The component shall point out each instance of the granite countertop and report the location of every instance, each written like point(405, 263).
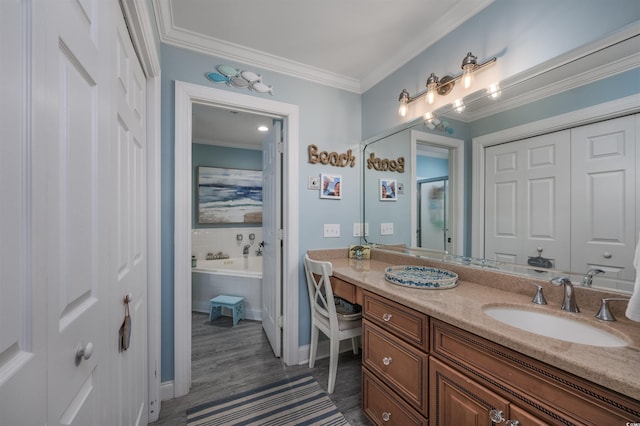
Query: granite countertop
point(616, 368)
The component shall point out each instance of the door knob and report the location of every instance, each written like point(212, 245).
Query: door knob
point(84, 352)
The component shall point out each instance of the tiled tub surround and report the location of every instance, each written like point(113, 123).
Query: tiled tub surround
point(617, 369)
point(224, 240)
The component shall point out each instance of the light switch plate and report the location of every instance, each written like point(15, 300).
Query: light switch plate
point(313, 183)
point(331, 230)
point(386, 229)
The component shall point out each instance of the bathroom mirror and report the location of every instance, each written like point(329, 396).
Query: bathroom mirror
point(450, 200)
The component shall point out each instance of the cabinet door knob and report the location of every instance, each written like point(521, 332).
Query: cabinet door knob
point(386, 416)
point(386, 317)
point(387, 360)
point(607, 255)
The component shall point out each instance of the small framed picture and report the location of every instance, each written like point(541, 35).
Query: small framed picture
point(331, 186)
point(388, 190)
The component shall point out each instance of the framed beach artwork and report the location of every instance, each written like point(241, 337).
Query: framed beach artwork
point(229, 196)
point(388, 190)
point(331, 186)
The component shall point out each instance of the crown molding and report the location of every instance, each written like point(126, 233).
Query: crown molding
point(170, 34)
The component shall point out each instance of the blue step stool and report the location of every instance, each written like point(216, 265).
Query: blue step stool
point(234, 303)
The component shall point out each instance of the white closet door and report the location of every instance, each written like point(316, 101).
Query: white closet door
point(71, 156)
point(603, 197)
point(527, 200)
point(128, 269)
point(22, 289)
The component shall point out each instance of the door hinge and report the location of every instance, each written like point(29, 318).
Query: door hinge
point(280, 321)
point(280, 234)
point(280, 147)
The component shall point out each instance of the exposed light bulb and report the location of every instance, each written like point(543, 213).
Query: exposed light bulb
point(404, 101)
point(468, 65)
point(467, 76)
point(432, 87)
point(263, 128)
point(403, 108)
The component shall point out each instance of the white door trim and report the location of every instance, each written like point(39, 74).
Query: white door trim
point(456, 176)
point(580, 117)
point(185, 95)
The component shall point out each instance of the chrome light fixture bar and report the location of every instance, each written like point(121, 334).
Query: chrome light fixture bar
point(443, 86)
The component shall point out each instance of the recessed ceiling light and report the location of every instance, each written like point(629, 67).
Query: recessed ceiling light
point(263, 128)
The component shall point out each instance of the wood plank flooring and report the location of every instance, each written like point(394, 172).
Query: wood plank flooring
point(228, 360)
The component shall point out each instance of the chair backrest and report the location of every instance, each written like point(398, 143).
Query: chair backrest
point(319, 286)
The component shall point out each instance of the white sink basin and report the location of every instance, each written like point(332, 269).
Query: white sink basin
point(554, 326)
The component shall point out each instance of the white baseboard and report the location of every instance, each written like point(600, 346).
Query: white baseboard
point(166, 390)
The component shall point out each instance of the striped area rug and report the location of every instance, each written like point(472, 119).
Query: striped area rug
point(294, 401)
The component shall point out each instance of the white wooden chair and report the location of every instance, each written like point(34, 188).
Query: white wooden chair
point(325, 318)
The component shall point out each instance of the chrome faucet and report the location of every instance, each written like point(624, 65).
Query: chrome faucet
point(587, 280)
point(569, 301)
point(245, 250)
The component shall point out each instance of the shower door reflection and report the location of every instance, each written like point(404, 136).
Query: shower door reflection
point(432, 213)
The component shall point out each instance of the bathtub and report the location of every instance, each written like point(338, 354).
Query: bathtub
point(233, 277)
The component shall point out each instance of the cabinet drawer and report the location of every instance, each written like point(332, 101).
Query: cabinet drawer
point(457, 400)
point(410, 325)
point(345, 290)
point(551, 394)
point(383, 407)
point(398, 364)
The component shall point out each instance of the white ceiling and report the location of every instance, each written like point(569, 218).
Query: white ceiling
point(349, 44)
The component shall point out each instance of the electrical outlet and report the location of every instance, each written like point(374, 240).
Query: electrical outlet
point(331, 230)
point(386, 229)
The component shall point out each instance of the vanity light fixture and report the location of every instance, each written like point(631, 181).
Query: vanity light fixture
point(443, 86)
point(263, 128)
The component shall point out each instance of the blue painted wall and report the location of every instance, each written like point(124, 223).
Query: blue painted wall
point(431, 167)
point(329, 118)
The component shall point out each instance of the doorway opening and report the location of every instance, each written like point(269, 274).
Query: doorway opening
point(437, 207)
point(186, 96)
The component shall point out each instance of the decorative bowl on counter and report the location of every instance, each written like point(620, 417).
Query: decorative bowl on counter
point(421, 277)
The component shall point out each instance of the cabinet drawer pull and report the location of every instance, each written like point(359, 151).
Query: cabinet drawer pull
point(607, 255)
point(387, 360)
point(386, 416)
point(496, 417)
point(387, 317)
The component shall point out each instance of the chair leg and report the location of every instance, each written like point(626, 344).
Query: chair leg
point(314, 346)
point(333, 364)
point(354, 344)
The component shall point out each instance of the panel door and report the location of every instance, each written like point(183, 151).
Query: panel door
point(271, 227)
point(71, 155)
point(128, 270)
point(527, 200)
point(604, 197)
point(22, 288)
